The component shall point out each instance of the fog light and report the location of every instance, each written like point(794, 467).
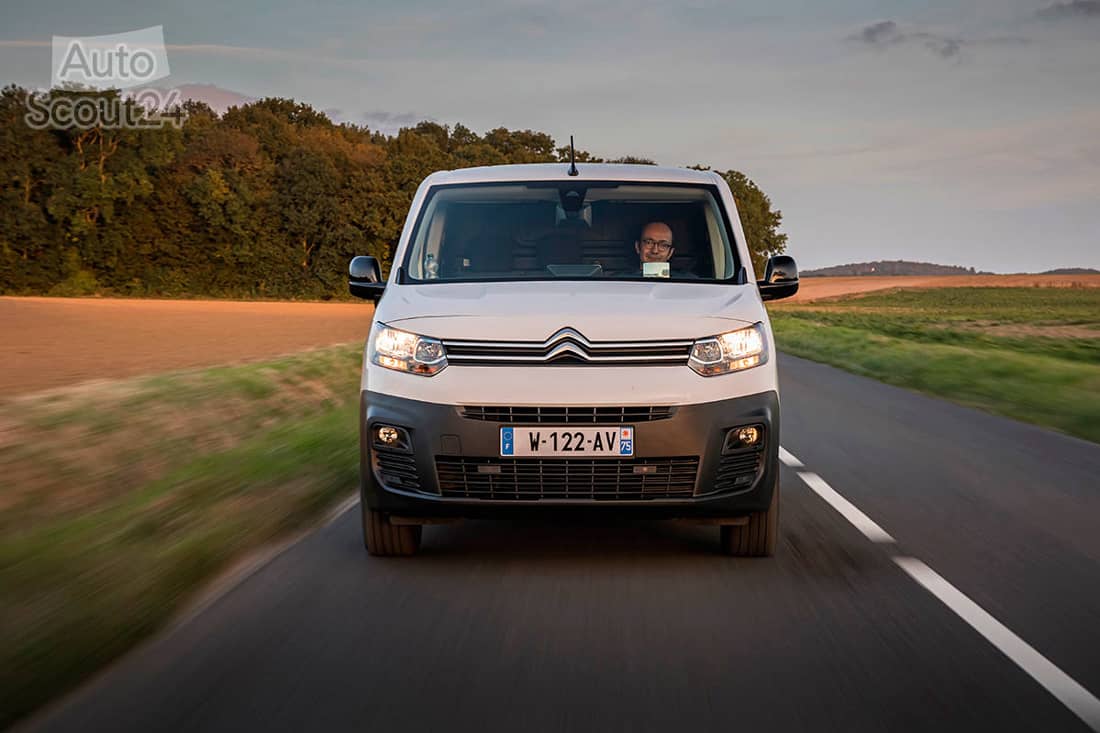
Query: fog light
point(390, 438)
point(749, 435)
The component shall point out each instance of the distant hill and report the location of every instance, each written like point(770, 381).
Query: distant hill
point(1072, 271)
point(892, 267)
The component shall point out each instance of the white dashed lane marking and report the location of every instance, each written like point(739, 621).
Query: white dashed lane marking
point(1075, 697)
point(1068, 691)
point(788, 459)
point(846, 508)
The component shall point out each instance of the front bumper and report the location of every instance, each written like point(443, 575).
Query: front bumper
point(421, 481)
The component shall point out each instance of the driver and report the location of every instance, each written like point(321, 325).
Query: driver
point(655, 243)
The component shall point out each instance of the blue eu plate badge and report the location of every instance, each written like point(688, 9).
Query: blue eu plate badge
point(626, 441)
point(507, 443)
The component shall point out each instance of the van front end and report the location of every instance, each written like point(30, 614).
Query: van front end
point(453, 428)
point(577, 342)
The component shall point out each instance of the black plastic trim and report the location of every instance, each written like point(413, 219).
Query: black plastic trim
point(693, 430)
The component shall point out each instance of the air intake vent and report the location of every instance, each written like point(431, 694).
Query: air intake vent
point(567, 415)
point(397, 469)
point(736, 472)
point(531, 479)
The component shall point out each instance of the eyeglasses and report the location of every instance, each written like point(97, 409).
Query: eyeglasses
point(661, 245)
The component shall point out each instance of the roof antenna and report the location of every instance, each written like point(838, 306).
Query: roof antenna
point(572, 159)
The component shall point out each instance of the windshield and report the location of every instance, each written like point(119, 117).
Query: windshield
point(572, 230)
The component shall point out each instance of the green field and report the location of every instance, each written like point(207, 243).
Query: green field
point(1029, 353)
point(120, 499)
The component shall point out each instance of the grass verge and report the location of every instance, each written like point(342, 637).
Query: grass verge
point(120, 499)
point(1028, 353)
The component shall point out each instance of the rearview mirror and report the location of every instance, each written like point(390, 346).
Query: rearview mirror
point(365, 278)
point(780, 278)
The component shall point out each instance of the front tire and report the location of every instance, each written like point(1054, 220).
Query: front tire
point(383, 539)
point(757, 538)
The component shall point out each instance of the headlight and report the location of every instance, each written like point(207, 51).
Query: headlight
point(729, 352)
point(407, 352)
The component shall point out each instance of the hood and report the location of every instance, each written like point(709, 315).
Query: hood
point(602, 311)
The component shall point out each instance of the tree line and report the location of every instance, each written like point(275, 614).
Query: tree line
point(268, 200)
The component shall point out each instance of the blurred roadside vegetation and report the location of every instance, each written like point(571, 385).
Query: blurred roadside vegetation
point(119, 499)
point(1028, 353)
point(269, 200)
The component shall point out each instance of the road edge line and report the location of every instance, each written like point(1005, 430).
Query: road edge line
point(213, 591)
point(239, 572)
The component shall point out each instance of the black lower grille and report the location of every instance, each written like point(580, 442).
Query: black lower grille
point(566, 478)
point(603, 415)
point(736, 471)
point(397, 469)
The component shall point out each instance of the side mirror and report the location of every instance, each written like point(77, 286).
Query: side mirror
point(365, 278)
point(780, 278)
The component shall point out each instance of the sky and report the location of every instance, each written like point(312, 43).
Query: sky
point(963, 133)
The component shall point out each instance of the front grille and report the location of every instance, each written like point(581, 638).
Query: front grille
point(737, 471)
point(566, 415)
point(566, 478)
point(567, 347)
point(397, 469)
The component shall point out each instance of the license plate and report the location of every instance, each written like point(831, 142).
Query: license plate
point(608, 441)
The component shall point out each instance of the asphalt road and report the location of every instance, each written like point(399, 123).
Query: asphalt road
point(643, 626)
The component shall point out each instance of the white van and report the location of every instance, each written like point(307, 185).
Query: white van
point(557, 338)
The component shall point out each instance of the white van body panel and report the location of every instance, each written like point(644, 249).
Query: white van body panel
point(604, 311)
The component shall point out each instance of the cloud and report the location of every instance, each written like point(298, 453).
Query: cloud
point(1047, 161)
point(883, 34)
point(387, 123)
point(237, 53)
point(945, 47)
point(265, 54)
point(25, 43)
point(218, 98)
point(1072, 9)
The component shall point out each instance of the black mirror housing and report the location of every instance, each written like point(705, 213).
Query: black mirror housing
point(365, 278)
point(780, 278)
